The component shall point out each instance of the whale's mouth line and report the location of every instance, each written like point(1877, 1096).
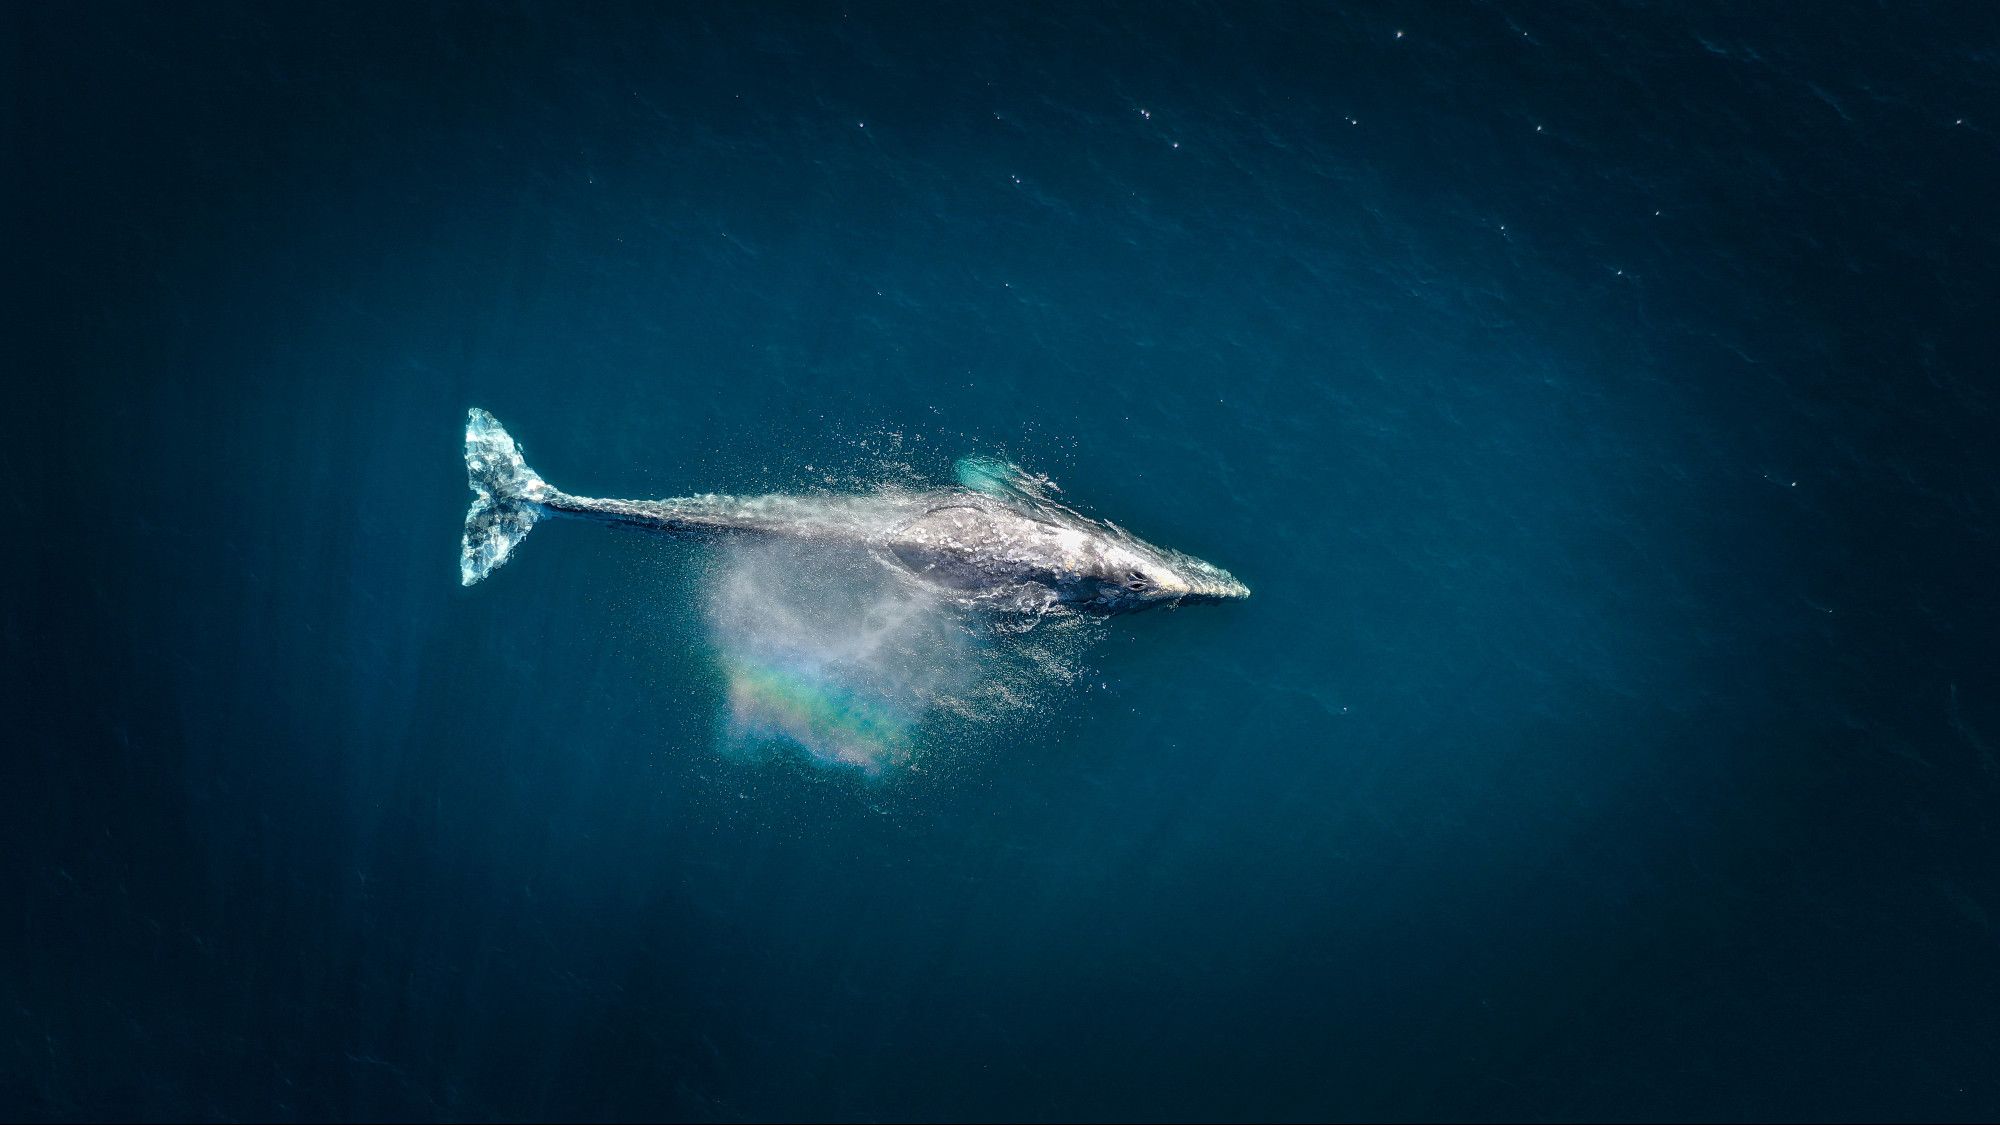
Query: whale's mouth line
point(1211, 592)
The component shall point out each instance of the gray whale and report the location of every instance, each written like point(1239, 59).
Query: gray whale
point(996, 540)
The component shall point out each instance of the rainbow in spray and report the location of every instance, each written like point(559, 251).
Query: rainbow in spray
point(818, 710)
point(827, 650)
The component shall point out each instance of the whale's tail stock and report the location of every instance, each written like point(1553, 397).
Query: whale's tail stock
point(508, 497)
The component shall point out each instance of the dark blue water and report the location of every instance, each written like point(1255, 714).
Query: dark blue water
point(1599, 400)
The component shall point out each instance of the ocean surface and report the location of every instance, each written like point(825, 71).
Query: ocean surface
point(1600, 400)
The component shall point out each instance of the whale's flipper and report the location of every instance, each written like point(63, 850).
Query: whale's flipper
point(1003, 480)
point(1016, 487)
point(508, 500)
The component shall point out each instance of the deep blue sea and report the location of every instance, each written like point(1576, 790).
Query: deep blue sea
point(1600, 400)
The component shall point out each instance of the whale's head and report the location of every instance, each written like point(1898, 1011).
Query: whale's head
point(1133, 575)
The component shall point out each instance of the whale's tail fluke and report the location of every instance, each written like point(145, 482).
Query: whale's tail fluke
point(508, 497)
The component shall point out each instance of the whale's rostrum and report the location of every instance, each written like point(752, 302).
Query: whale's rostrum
point(996, 538)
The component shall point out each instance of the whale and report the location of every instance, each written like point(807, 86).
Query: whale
point(996, 539)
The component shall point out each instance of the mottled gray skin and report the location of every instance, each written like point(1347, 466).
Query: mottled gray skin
point(1009, 551)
